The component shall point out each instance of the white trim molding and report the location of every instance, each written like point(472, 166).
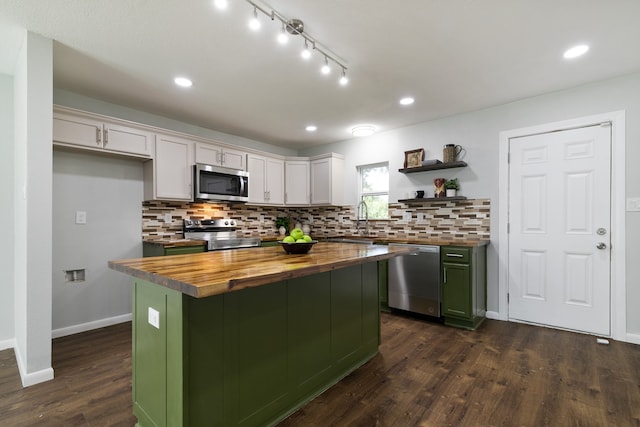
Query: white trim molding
point(31, 378)
point(5, 344)
point(84, 327)
point(618, 225)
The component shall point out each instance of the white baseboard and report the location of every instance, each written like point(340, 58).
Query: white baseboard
point(32, 378)
point(633, 338)
point(5, 344)
point(96, 324)
point(494, 315)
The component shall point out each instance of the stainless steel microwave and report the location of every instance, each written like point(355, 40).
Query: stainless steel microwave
point(216, 183)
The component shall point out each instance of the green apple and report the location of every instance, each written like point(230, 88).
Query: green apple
point(301, 241)
point(296, 233)
point(307, 238)
point(288, 239)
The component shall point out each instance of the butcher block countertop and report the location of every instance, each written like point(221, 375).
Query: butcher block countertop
point(217, 272)
point(436, 240)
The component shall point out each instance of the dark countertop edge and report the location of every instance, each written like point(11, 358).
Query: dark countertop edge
point(169, 243)
point(243, 283)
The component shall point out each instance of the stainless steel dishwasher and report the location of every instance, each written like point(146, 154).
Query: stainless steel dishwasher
point(414, 280)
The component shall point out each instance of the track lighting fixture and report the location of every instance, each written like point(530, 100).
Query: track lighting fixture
point(254, 24)
point(294, 27)
point(325, 68)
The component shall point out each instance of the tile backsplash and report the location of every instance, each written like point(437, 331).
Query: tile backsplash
point(445, 220)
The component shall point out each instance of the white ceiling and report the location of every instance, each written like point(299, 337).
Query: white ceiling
point(452, 56)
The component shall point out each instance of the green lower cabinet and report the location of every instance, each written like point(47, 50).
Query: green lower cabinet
point(464, 302)
point(152, 249)
point(383, 285)
point(269, 243)
point(254, 356)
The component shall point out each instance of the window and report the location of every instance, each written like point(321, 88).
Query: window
point(373, 190)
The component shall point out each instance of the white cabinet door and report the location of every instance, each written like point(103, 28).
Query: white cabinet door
point(275, 181)
point(125, 139)
point(234, 159)
point(77, 130)
point(327, 175)
point(297, 185)
point(266, 180)
point(169, 175)
point(215, 155)
point(257, 167)
point(84, 131)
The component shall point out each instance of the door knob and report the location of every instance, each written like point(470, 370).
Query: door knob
point(601, 245)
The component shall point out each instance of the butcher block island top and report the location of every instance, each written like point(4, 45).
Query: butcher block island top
point(218, 272)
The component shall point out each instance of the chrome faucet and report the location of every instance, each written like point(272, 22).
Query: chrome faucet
point(362, 206)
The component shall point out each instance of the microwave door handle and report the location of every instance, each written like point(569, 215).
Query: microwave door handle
point(241, 185)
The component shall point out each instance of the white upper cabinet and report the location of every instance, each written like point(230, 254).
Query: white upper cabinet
point(87, 131)
point(327, 176)
point(215, 155)
point(169, 175)
point(297, 182)
point(266, 180)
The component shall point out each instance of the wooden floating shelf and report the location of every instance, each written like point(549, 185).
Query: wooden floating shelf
point(432, 199)
point(434, 167)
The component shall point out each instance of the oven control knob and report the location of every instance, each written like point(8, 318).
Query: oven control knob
point(226, 223)
point(233, 222)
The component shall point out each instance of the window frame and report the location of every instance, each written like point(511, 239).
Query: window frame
point(362, 194)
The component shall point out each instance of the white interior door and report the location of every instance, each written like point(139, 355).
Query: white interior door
point(559, 229)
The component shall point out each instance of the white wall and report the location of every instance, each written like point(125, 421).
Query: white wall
point(33, 97)
point(479, 133)
point(6, 212)
point(110, 191)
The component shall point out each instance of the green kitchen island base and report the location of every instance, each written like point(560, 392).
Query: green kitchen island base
point(250, 357)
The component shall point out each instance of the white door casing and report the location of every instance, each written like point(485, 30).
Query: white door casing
point(617, 236)
point(559, 241)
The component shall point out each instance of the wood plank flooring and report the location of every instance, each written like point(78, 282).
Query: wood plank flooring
point(504, 374)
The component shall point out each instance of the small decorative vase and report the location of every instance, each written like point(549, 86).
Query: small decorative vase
point(282, 231)
point(451, 192)
point(438, 187)
point(306, 229)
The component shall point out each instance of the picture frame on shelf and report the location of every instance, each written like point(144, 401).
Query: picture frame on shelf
point(413, 158)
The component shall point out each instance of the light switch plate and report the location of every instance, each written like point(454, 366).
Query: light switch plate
point(81, 217)
point(407, 216)
point(154, 318)
point(633, 204)
point(167, 218)
point(420, 216)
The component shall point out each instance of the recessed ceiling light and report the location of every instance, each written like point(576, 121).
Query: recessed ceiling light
point(183, 81)
point(220, 4)
point(311, 128)
point(576, 51)
point(407, 101)
point(363, 130)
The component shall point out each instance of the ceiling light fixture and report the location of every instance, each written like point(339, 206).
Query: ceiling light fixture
point(306, 53)
point(296, 27)
point(311, 128)
point(407, 101)
point(363, 130)
point(325, 68)
point(254, 24)
point(343, 79)
point(282, 37)
point(183, 82)
point(576, 51)
point(220, 4)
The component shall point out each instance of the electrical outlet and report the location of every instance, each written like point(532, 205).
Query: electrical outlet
point(420, 216)
point(407, 216)
point(167, 218)
point(154, 318)
point(340, 218)
point(81, 217)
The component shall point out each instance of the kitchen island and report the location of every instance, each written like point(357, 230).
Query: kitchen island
point(246, 337)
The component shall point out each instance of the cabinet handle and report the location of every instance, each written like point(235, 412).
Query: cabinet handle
point(98, 136)
point(222, 158)
point(455, 255)
point(106, 137)
point(444, 272)
point(218, 157)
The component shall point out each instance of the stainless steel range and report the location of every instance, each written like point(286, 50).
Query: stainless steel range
point(219, 234)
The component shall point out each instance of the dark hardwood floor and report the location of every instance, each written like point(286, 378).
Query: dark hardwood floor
point(504, 374)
